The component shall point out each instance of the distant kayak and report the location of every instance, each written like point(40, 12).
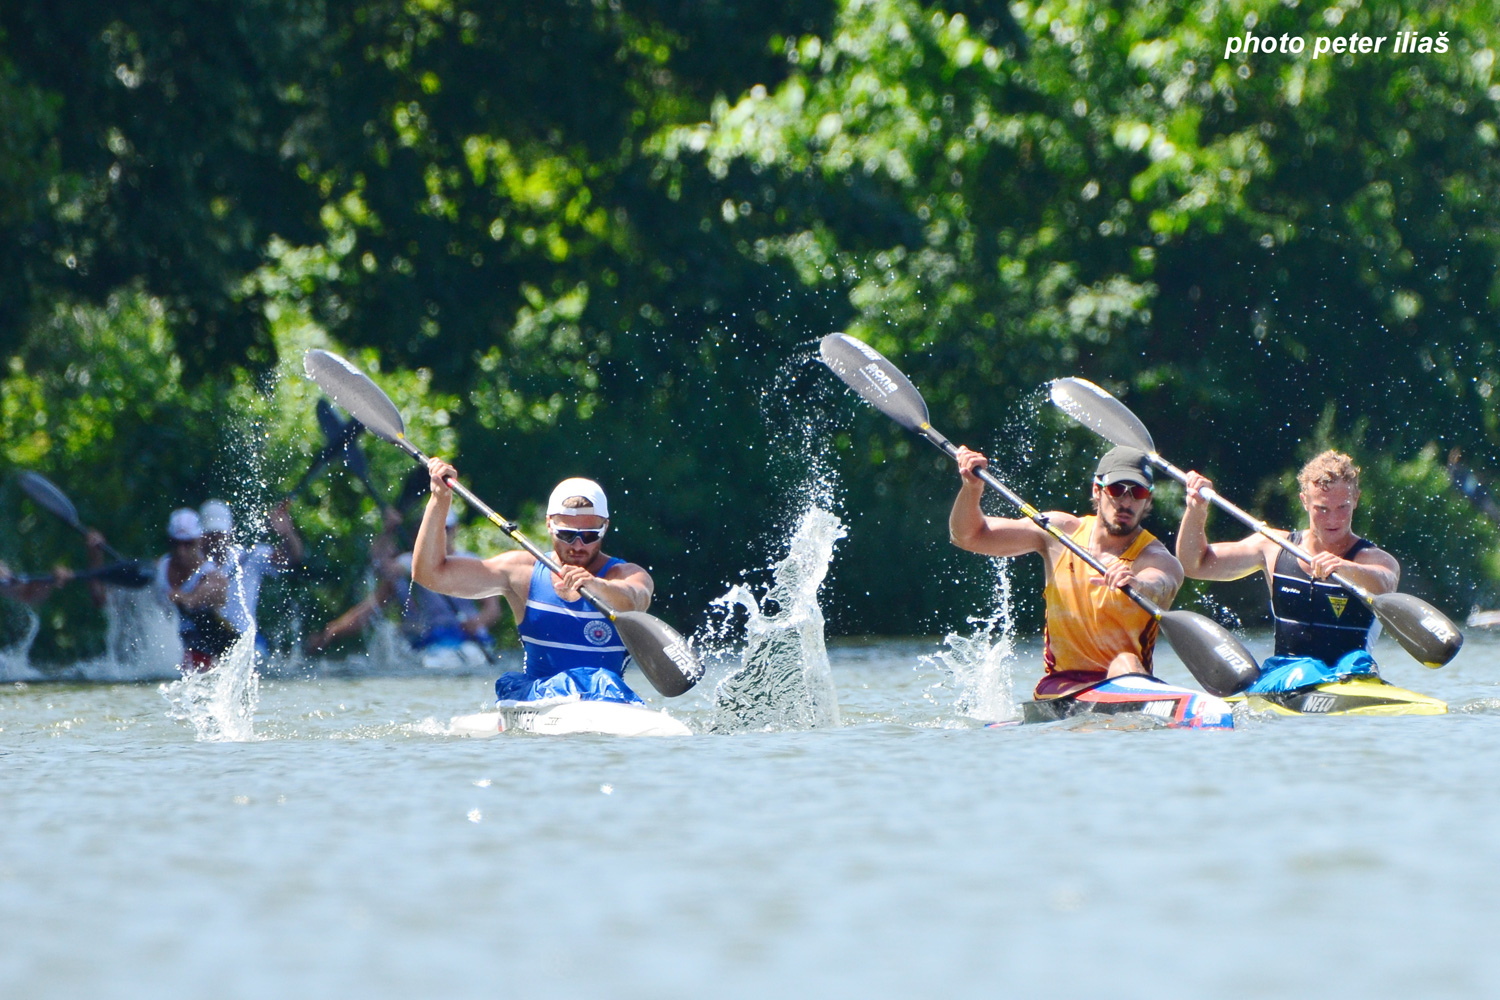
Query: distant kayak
point(1351, 696)
point(1137, 694)
point(568, 717)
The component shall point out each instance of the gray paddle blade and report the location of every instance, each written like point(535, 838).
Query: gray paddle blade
point(1212, 655)
point(1423, 631)
point(1100, 412)
point(880, 383)
point(663, 655)
point(352, 389)
point(48, 497)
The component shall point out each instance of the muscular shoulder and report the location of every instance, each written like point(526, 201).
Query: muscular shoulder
point(627, 571)
point(1157, 555)
point(1062, 520)
point(1374, 555)
point(514, 564)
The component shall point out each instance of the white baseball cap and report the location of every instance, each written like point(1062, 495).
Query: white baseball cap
point(216, 516)
point(184, 525)
point(576, 487)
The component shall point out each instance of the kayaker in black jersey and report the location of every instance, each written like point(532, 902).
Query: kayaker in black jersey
point(191, 582)
point(1323, 632)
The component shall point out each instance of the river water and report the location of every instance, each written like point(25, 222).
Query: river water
point(842, 823)
point(353, 849)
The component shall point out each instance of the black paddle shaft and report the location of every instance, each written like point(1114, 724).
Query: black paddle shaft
point(1040, 519)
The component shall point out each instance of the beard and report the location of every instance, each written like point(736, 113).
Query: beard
point(1116, 529)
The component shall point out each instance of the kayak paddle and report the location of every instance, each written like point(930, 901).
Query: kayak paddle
point(339, 436)
point(55, 502)
point(1422, 630)
point(1215, 657)
point(130, 575)
point(660, 652)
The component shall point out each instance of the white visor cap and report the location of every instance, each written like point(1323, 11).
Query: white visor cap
point(216, 516)
point(184, 525)
point(576, 487)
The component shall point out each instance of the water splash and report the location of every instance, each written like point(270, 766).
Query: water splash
point(220, 703)
point(981, 662)
point(785, 681)
point(140, 639)
point(15, 656)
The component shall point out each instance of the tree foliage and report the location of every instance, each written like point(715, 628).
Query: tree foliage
point(606, 233)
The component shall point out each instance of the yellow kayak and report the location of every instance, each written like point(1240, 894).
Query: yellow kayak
point(1352, 696)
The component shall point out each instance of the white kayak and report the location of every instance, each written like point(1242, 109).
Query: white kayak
point(568, 716)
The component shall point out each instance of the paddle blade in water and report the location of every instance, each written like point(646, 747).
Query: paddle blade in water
point(1100, 412)
point(1423, 631)
point(48, 497)
point(867, 372)
point(1212, 655)
point(663, 655)
point(353, 390)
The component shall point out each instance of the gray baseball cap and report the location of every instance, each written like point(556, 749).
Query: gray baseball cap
point(1123, 464)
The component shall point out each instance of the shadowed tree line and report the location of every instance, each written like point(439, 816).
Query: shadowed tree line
point(600, 237)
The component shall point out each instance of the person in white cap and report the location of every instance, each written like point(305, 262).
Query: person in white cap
point(189, 581)
point(448, 631)
point(245, 567)
point(571, 647)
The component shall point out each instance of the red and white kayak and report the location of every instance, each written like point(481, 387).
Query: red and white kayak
point(1137, 694)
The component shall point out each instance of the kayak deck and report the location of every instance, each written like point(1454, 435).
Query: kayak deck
point(568, 717)
point(1137, 694)
point(1351, 696)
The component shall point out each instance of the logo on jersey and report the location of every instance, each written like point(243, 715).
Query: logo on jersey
point(1339, 603)
point(598, 632)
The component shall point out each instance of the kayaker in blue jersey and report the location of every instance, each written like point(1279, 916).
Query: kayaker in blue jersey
point(448, 631)
point(246, 567)
point(1323, 633)
point(571, 648)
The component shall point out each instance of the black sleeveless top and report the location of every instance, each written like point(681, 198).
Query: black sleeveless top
point(1318, 618)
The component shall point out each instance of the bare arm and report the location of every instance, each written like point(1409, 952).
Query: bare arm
point(1155, 574)
point(456, 576)
point(1220, 560)
point(211, 592)
point(624, 588)
point(1374, 569)
point(972, 531)
point(289, 552)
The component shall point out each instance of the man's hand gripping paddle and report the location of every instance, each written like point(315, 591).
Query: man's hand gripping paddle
point(662, 654)
point(122, 573)
point(1423, 631)
point(1215, 657)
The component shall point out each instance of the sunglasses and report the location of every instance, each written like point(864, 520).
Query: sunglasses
point(587, 536)
point(1117, 490)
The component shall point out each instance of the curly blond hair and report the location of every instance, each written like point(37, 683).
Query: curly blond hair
point(1328, 468)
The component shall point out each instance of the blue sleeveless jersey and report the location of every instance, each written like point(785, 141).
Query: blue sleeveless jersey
point(563, 635)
